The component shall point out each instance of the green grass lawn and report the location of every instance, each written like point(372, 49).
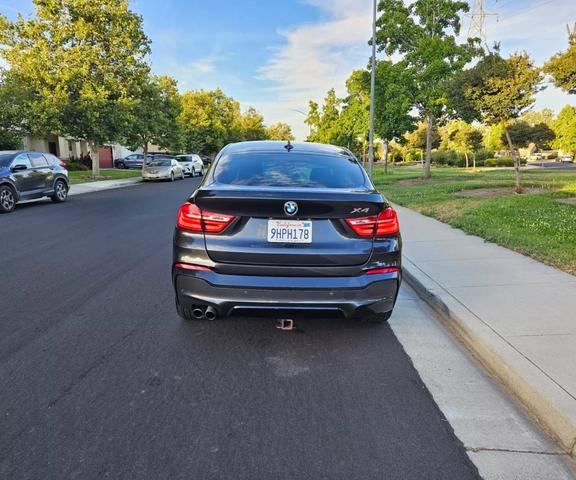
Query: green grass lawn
point(534, 224)
point(105, 174)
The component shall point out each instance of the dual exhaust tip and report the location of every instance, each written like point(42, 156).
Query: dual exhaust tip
point(210, 313)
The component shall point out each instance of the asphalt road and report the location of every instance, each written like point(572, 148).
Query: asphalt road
point(101, 379)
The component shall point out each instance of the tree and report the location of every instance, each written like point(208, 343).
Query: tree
point(418, 138)
point(461, 137)
point(351, 127)
point(493, 138)
point(394, 98)
point(209, 121)
point(252, 125)
point(280, 131)
point(12, 126)
point(500, 90)
point(322, 121)
point(424, 33)
point(535, 117)
point(565, 129)
point(562, 66)
point(78, 61)
point(154, 115)
point(474, 141)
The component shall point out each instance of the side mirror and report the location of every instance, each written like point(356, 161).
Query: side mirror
point(19, 168)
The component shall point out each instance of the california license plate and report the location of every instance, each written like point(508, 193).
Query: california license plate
point(290, 231)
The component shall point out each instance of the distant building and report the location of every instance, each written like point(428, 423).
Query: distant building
point(67, 148)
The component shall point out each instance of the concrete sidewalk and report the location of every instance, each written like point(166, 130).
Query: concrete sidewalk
point(515, 314)
point(89, 187)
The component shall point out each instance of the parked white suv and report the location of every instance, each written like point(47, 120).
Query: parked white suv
point(192, 164)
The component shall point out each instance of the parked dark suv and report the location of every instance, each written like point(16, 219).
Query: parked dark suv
point(28, 175)
point(286, 229)
point(131, 161)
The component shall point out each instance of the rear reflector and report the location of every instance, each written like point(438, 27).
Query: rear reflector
point(385, 223)
point(189, 266)
point(380, 271)
point(193, 219)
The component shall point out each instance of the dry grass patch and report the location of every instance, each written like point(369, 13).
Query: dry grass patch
point(497, 192)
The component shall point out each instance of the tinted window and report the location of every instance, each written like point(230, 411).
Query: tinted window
point(159, 162)
point(52, 159)
point(37, 160)
point(5, 159)
point(131, 157)
point(288, 169)
point(22, 159)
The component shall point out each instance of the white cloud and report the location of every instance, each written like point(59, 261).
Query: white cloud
point(316, 57)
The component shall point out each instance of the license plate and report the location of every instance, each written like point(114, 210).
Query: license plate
point(290, 231)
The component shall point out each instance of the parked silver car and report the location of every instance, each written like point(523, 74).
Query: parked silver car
point(162, 167)
point(192, 164)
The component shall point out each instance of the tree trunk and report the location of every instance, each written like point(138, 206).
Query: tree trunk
point(518, 187)
point(466, 156)
point(474, 160)
point(95, 155)
point(428, 161)
point(145, 148)
point(385, 153)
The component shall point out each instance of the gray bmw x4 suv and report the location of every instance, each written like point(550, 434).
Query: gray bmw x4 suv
point(286, 229)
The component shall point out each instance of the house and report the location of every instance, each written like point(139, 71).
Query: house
point(67, 148)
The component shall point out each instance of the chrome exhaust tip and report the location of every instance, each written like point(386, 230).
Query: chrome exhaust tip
point(211, 313)
point(198, 313)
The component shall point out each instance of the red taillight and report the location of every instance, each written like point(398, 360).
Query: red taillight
point(193, 219)
point(385, 223)
point(379, 271)
point(189, 266)
point(63, 164)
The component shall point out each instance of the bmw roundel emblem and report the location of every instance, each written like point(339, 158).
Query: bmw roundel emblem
point(290, 208)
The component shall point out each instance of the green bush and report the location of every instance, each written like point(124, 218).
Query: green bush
point(75, 165)
point(448, 157)
point(502, 162)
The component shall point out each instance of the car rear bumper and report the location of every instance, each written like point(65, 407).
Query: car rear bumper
point(245, 294)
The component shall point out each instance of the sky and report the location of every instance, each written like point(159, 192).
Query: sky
point(276, 55)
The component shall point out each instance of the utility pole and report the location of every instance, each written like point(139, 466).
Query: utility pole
point(478, 16)
point(372, 92)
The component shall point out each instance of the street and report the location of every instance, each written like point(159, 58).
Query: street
point(101, 378)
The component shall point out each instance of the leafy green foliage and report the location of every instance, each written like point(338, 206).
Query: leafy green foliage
point(252, 125)
point(565, 129)
point(153, 115)
point(279, 131)
point(424, 33)
point(500, 89)
point(210, 120)
point(522, 134)
point(394, 94)
point(77, 62)
point(417, 138)
point(562, 67)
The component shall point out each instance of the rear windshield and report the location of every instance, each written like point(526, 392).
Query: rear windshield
point(289, 170)
point(159, 162)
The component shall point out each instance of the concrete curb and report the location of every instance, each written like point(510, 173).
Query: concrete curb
point(102, 185)
point(526, 383)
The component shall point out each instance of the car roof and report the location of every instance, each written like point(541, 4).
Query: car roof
point(12, 152)
point(271, 146)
